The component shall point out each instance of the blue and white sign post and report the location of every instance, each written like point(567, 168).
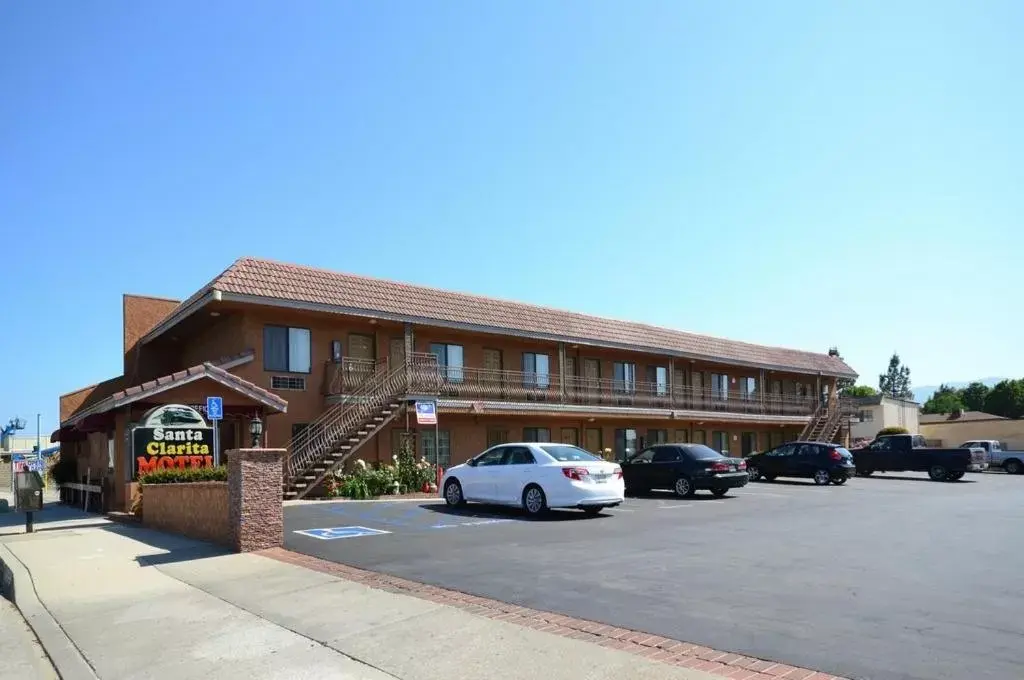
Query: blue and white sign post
point(215, 412)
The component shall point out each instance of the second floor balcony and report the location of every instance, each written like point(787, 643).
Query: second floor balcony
point(426, 377)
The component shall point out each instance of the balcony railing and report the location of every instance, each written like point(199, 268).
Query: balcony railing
point(425, 376)
point(481, 384)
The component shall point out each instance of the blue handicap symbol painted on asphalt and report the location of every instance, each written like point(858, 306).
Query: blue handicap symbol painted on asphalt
point(332, 533)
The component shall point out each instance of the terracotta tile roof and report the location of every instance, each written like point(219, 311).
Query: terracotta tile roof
point(390, 299)
point(965, 417)
point(209, 369)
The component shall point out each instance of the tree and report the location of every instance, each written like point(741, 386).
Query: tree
point(973, 396)
point(860, 391)
point(944, 400)
point(1006, 399)
point(895, 429)
point(896, 381)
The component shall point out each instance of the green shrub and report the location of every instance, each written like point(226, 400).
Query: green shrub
point(64, 471)
point(179, 476)
point(896, 429)
point(352, 487)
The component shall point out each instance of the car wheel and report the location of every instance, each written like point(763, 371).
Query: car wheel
point(1013, 467)
point(593, 510)
point(840, 480)
point(753, 472)
point(955, 476)
point(534, 500)
point(937, 473)
point(822, 477)
point(683, 487)
point(719, 491)
point(453, 493)
point(865, 473)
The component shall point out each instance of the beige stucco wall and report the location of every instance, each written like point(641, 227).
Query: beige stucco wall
point(887, 414)
point(1009, 432)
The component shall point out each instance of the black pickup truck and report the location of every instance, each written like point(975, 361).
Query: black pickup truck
point(902, 452)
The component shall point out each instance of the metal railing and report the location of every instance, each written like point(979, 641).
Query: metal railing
point(348, 375)
point(342, 420)
point(462, 382)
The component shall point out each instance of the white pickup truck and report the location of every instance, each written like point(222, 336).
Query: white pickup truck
point(1011, 461)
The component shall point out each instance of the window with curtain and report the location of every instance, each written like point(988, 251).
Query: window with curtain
point(287, 349)
point(719, 386)
point(536, 434)
point(437, 451)
point(536, 370)
point(658, 377)
point(625, 443)
point(720, 442)
point(624, 377)
point(450, 361)
point(748, 388)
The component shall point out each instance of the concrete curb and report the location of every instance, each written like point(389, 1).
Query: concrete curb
point(16, 584)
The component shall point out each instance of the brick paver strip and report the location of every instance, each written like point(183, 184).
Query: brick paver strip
point(653, 647)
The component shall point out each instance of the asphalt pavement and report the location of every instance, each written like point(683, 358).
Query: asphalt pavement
point(892, 577)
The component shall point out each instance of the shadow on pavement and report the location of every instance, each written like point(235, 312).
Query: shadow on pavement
point(178, 548)
point(902, 478)
point(670, 495)
point(503, 512)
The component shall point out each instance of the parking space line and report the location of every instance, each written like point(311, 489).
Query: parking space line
point(673, 507)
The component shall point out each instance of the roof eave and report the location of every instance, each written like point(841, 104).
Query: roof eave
point(180, 314)
point(245, 298)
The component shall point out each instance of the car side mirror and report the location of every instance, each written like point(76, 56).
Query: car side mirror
point(471, 462)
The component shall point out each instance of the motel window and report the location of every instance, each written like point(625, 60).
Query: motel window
point(699, 437)
point(658, 377)
point(748, 388)
point(496, 436)
point(626, 442)
point(719, 386)
point(286, 349)
point(680, 437)
point(449, 359)
point(655, 436)
point(536, 370)
point(775, 439)
point(866, 416)
point(748, 443)
point(624, 377)
point(441, 454)
point(720, 442)
point(536, 434)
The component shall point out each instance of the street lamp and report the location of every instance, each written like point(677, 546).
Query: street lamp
point(256, 430)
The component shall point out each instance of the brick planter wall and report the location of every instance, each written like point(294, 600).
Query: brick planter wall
point(256, 516)
point(197, 510)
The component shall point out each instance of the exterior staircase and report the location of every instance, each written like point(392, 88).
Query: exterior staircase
point(343, 429)
point(824, 424)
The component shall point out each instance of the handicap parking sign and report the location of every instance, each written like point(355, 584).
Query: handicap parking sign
point(332, 533)
point(215, 408)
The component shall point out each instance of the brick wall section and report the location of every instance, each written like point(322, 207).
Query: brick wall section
point(254, 498)
point(197, 510)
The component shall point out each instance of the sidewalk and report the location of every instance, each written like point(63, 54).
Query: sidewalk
point(135, 603)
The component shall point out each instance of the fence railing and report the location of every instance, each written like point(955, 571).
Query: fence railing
point(348, 375)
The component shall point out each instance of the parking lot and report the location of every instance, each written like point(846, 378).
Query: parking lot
point(889, 577)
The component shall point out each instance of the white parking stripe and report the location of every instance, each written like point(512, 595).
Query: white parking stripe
point(673, 507)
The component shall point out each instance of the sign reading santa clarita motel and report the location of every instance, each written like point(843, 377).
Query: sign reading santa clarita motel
point(171, 436)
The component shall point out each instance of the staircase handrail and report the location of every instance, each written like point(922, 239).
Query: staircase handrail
point(320, 436)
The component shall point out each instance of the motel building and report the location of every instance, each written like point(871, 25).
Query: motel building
point(331, 366)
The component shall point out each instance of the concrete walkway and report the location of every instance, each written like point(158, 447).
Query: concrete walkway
point(114, 601)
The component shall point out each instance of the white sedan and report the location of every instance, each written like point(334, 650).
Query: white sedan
point(536, 476)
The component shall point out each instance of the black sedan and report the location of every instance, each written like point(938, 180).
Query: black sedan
point(683, 468)
point(821, 461)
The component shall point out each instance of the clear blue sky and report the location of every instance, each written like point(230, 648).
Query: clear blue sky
point(793, 173)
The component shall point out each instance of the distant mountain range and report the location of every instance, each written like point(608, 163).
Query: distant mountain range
point(923, 393)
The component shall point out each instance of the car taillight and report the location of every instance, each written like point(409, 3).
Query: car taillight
point(835, 455)
point(742, 465)
point(719, 467)
point(618, 473)
point(575, 473)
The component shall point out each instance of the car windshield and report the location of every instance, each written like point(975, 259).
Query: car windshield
point(565, 453)
point(701, 452)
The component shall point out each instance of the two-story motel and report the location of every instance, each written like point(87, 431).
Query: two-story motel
point(291, 344)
